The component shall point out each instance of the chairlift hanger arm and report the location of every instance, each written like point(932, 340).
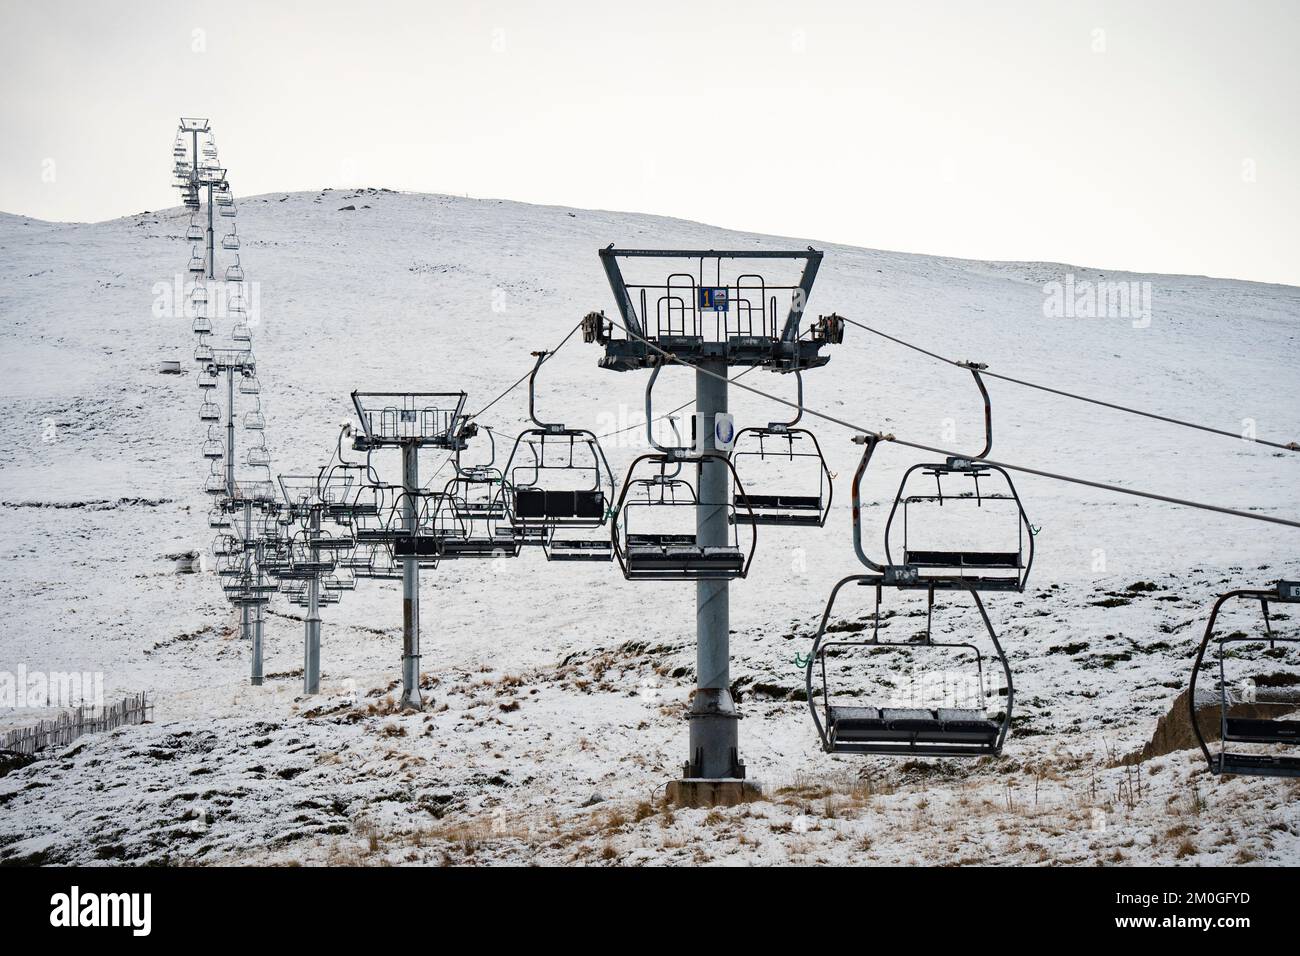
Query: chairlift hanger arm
point(975, 368)
point(869, 443)
point(798, 412)
point(671, 451)
point(532, 395)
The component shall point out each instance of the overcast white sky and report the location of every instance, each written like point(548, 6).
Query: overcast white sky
point(1156, 136)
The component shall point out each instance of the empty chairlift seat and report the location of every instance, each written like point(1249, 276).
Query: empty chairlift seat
point(965, 526)
point(1269, 716)
point(1000, 560)
point(847, 667)
point(902, 730)
point(578, 549)
point(537, 504)
point(781, 509)
point(1263, 730)
point(679, 555)
point(656, 508)
point(500, 544)
point(781, 466)
point(1256, 765)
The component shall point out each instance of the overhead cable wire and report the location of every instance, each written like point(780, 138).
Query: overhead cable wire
point(523, 378)
point(1040, 473)
point(1287, 446)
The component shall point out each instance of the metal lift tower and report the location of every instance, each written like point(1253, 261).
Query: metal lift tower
point(711, 310)
point(410, 421)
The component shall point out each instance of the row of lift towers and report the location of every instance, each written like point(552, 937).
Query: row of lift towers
point(682, 513)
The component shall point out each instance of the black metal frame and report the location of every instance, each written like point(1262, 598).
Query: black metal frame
point(438, 425)
point(907, 736)
point(680, 325)
point(1225, 762)
point(566, 509)
point(788, 510)
point(910, 575)
point(683, 568)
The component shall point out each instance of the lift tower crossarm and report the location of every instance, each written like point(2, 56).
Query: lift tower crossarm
point(609, 257)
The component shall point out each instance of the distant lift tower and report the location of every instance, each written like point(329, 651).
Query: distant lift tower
point(410, 421)
point(712, 310)
point(186, 154)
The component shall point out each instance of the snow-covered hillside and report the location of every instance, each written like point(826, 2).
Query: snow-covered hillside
point(554, 683)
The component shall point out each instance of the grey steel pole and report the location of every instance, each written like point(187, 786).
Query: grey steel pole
point(713, 718)
point(212, 256)
point(230, 431)
point(257, 620)
point(410, 584)
point(311, 650)
point(245, 631)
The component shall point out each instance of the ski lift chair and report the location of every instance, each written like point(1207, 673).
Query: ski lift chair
point(203, 352)
point(197, 263)
point(202, 326)
point(257, 455)
point(374, 561)
point(475, 493)
point(209, 412)
point(916, 726)
point(853, 728)
point(305, 559)
point(1264, 711)
point(788, 464)
point(654, 531)
point(234, 271)
point(226, 545)
point(254, 420)
point(463, 530)
point(213, 448)
point(229, 568)
point(412, 528)
point(341, 580)
point(352, 495)
point(558, 479)
point(968, 528)
point(241, 332)
point(249, 385)
point(215, 484)
point(369, 511)
point(218, 519)
point(206, 379)
point(194, 232)
point(230, 241)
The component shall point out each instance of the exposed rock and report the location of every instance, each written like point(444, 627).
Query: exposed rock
point(13, 760)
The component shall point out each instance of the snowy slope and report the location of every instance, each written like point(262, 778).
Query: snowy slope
point(405, 292)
